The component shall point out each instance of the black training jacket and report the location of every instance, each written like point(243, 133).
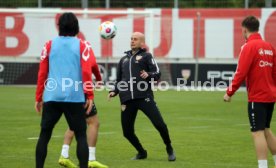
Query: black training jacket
point(130, 67)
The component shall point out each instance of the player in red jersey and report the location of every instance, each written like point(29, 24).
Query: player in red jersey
point(257, 66)
point(92, 129)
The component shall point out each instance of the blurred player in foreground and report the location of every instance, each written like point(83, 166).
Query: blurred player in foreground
point(64, 58)
point(257, 65)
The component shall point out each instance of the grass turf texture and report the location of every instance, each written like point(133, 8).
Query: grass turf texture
point(205, 131)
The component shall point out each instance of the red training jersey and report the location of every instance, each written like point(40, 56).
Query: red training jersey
point(257, 65)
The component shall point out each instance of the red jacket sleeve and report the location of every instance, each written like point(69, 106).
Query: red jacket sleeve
point(43, 71)
point(96, 72)
point(95, 67)
point(245, 61)
point(274, 65)
point(86, 64)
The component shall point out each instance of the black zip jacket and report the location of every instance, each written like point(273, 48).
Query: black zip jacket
point(128, 75)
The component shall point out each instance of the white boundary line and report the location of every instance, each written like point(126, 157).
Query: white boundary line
point(61, 136)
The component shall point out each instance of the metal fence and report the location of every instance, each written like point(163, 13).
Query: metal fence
point(139, 3)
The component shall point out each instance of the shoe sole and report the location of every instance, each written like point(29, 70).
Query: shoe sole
point(62, 164)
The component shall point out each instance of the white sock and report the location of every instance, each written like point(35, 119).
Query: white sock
point(65, 151)
point(262, 163)
point(92, 153)
point(274, 158)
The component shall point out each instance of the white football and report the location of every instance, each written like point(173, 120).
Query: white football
point(108, 30)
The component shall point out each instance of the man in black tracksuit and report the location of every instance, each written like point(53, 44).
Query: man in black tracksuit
point(135, 73)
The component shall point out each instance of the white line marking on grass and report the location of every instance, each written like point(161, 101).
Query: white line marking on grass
point(198, 127)
point(201, 119)
point(106, 133)
point(225, 165)
point(54, 136)
point(242, 124)
point(61, 136)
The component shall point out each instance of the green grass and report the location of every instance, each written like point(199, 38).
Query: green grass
point(205, 132)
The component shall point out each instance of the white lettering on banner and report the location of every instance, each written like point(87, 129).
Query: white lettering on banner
point(174, 32)
point(108, 76)
point(224, 75)
point(1, 68)
point(265, 63)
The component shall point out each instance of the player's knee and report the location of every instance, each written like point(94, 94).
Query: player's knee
point(46, 130)
point(45, 133)
point(160, 126)
point(80, 133)
point(69, 133)
point(128, 133)
point(257, 134)
point(94, 122)
point(267, 132)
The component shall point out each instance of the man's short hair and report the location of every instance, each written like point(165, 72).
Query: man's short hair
point(251, 23)
point(68, 24)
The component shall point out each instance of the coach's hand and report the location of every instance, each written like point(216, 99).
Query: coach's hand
point(38, 107)
point(144, 74)
point(88, 105)
point(110, 95)
point(226, 98)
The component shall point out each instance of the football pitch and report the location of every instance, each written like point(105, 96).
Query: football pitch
point(205, 132)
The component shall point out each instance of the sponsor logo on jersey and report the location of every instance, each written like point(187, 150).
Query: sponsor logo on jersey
point(261, 52)
point(265, 63)
point(268, 52)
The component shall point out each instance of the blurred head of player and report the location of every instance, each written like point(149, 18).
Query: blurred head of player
point(137, 41)
point(68, 24)
point(250, 25)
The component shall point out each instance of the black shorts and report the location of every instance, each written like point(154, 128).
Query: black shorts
point(260, 115)
point(93, 111)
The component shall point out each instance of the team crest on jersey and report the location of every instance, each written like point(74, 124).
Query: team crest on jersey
point(261, 52)
point(138, 57)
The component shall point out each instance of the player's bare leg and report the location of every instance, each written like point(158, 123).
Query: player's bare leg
point(92, 130)
point(92, 136)
point(271, 142)
point(261, 148)
point(64, 158)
